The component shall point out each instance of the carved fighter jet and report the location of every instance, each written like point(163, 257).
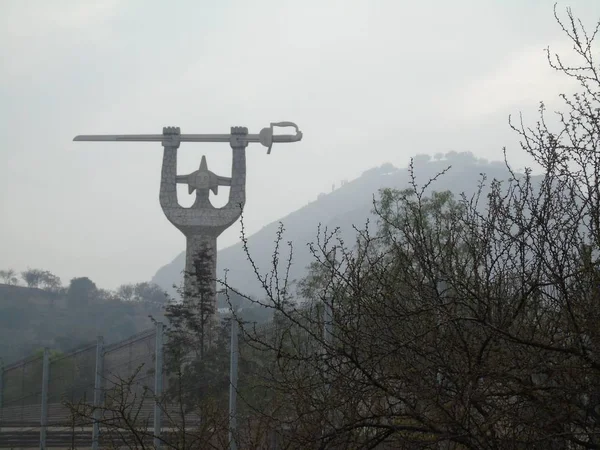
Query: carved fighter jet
point(203, 179)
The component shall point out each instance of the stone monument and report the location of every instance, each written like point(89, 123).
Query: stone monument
point(202, 223)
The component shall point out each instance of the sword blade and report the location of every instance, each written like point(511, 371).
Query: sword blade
point(160, 137)
point(184, 137)
point(120, 137)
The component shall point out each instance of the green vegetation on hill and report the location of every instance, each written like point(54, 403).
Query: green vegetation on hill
point(66, 318)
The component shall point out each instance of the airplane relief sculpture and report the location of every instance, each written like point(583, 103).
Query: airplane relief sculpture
point(202, 223)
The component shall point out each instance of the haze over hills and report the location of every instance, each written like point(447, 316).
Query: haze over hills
point(347, 205)
point(42, 318)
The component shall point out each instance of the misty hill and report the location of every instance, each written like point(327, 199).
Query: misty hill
point(349, 205)
point(32, 318)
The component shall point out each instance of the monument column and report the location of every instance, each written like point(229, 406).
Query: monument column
point(202, 223)
point(200, 281)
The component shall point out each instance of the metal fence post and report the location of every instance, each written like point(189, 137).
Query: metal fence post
point(441, 287)
point(328, 304)
point(44, 412)
point(98, 392)
point(233, 379)
point(327, 341)
point(327, 322)
point(158, 383)
point(1, 391)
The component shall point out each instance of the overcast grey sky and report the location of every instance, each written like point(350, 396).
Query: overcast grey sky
point(367, 81)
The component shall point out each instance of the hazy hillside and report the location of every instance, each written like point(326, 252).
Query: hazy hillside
point(33, 318)
point(347, 205)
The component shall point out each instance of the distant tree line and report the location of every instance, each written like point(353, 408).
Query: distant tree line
point(33, 278)
point(32, 319)
point(83, 288)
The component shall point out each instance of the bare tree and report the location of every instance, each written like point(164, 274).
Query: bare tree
point(142, 292)
point(457, 322)
point(50, 281)
point(32, 277)
point(126, 416)
point(45, 279)
point(9, 277)
point(467, 323)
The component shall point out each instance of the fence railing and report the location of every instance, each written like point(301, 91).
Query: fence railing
point(35, 393)
point(38, 394)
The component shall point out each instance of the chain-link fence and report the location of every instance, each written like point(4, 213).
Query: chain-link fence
point(21, 395)
point(272, 357)
point(131, 364)
point(48, 400)
point(96, 396)
point(99, 395)
point(256, 373)
point(70, 380)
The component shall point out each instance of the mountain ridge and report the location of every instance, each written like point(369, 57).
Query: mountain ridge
point(348, 205)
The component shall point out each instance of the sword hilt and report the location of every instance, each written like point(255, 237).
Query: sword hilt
point(267, 139)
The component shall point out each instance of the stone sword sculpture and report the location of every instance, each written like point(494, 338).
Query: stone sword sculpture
point(202, 223)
